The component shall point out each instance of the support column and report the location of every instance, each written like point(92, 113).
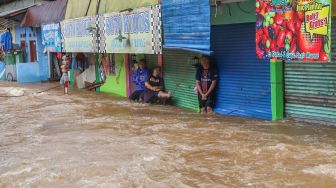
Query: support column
point(128, 74)
point(97, 71)
point(160, 63)
point(72, 72)
point(277, 89)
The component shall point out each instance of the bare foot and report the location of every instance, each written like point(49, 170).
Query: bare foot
point(209, 110)
point(170, 94)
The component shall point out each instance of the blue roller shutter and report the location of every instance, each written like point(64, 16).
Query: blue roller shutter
point(244, 87)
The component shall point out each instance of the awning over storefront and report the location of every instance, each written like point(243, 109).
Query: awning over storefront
point(51, 12)
point(93, 7)
point(186, 25)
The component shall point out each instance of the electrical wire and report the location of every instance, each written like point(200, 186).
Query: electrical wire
point(259, 96)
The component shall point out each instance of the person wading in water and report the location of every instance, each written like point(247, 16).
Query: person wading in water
point(206, 81)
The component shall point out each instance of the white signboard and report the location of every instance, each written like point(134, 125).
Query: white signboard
point(137, 31)
point(79, 35)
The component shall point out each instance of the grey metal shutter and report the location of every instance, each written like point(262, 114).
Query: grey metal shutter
point(310, 89)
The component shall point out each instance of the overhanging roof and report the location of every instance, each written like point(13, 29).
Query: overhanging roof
point(14, 12)
point(50, 12)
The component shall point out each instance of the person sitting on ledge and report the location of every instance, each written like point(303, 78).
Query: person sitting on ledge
point(139, 78)
point(154, 85)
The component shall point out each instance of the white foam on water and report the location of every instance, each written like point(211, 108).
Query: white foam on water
point(279, 147)
point(149, 158)
point(12, 91)
point(17, 172)
point(323, 169)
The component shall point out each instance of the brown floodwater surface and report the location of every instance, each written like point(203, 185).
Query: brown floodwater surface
point(89, 139)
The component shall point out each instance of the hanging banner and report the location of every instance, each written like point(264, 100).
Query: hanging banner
point(79, 35)
point(51, 37)
point(137, 31)
point(186, 25)
point(294, 30)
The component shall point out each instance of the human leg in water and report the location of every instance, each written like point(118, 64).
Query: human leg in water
point(209, 104)
point(166, 95)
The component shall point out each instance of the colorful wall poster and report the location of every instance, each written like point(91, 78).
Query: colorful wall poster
point(79, 35)
point(293, 30)
point(136, 31)
point(51, 37)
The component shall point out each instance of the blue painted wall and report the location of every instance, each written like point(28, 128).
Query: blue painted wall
point(28, 34)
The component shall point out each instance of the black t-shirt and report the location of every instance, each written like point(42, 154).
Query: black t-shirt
point(155, 81)
point(206, 77)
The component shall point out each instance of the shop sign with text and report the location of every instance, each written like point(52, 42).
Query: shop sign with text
point(136, 31)
point(51, 37)
point(79, 35)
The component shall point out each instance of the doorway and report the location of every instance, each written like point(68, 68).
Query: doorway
point(32, 48)
point(24, 50)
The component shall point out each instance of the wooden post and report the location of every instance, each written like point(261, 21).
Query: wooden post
point(128, 84)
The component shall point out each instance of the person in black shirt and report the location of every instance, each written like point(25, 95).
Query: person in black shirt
point(154, 85)
point(206, 81)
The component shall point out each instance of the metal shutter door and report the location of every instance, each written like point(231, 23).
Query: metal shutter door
point(311, 89)
point(311, 92)
point(179, 77)
point(244, 87)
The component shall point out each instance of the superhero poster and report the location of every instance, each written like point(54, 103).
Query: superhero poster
point(293, 30)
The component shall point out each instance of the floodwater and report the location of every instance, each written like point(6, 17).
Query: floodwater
point(89, 139)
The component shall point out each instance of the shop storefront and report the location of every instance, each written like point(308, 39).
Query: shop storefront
point(80, 40)
point(130, 36)
point(186, 37)
point(302, 35)
point(310, 89)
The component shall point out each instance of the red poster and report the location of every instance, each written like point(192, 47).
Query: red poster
point(293, 30)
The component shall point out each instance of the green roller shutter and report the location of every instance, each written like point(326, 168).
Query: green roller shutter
point(310, 90)
point(179, 77)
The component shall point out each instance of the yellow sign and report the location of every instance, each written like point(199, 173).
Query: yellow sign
point(317, 21)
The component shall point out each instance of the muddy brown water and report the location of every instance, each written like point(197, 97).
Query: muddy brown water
point(95, 140)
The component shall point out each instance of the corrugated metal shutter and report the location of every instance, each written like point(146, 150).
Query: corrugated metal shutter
point(186, 24)
point(244, 87)
point(152, 61)
point(311, 90)
point(179, 77)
